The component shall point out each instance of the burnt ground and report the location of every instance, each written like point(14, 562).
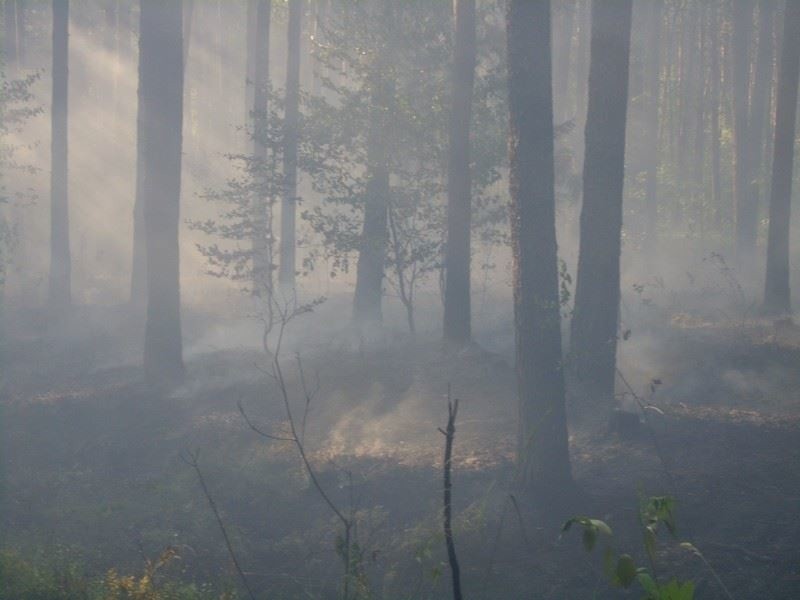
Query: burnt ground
point(93, 474)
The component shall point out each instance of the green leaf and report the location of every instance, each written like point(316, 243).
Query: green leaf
point(660, 509)
point(609, 563)
point(591, 529)
point(675, 590)
point(589, 537)
point(601, 526)
point(626, 570)
point(650, 541)
point(690, 548)
point(648, 585)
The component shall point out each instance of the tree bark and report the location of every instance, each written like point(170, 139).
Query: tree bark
point(745, 211)
point(542, 449)
point(286, 273)
point(374, 233)
point(161, 123)
point(562, 77)
point(60, 262)
point(714, 102)
point(758, 111)
point(653, 86)
point(457, 302)
point(777, 299)
point(262, 234)
point(10, 35)
point(597, 293)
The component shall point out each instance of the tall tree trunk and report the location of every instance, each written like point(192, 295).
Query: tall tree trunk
point(699, 102)
point(262, 224)
point(138, 297)
point(457, 311)
point(776, 290)
point(21, 38)
point(374, 234)
point(653, 86)
point(161, 124)
point(758, 110)
point(249, 69)
point(10, 31)
point(597, 293)
point(542, 449)
point(714, 104)
point(60, 266)
point(13, 46)
point(745, 211)
point(582, 58)
point(562, 76)
point(290, 134)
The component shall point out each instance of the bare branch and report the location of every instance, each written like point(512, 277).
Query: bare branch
point(191, 459)
point(450, 433)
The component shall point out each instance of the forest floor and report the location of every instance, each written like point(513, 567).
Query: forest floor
point(93, 472)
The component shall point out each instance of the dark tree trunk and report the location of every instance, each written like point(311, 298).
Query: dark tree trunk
point(597, 293)
point(10, 35)
point(760, 98)
point(21, 39)
point(161, 123)
point(374, 234)
point(582, 60)
point(457, 311)
point(714, 102)
point(286, 272)
point(138, 297)
point(562, 76)
point(542, 450)
point(60, 267)
point(699, 162)
point(262, 234)
point(653, 87)
point(746, 212)
point(250, 53)
point(776, 289)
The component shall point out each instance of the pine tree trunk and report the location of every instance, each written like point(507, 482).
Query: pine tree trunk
point(745, 211)
point(457, 301)
point(374, 234)
point(714, 103)
point(161, 123)
point(698, 154)
point(597, 293)
point(60, 262)
point(653, 86)
point(758, 110)
point(286, 273)
point(262, 234)
point(562, 76)
point(542, 450)
point(10, 30)
point(776, 290)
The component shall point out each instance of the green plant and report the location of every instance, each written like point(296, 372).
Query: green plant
point(621, 568)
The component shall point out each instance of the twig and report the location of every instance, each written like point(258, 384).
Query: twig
point(519, 519)
point(191, 459)
point(449, 435)
point(657, 446)
point(285, 313)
